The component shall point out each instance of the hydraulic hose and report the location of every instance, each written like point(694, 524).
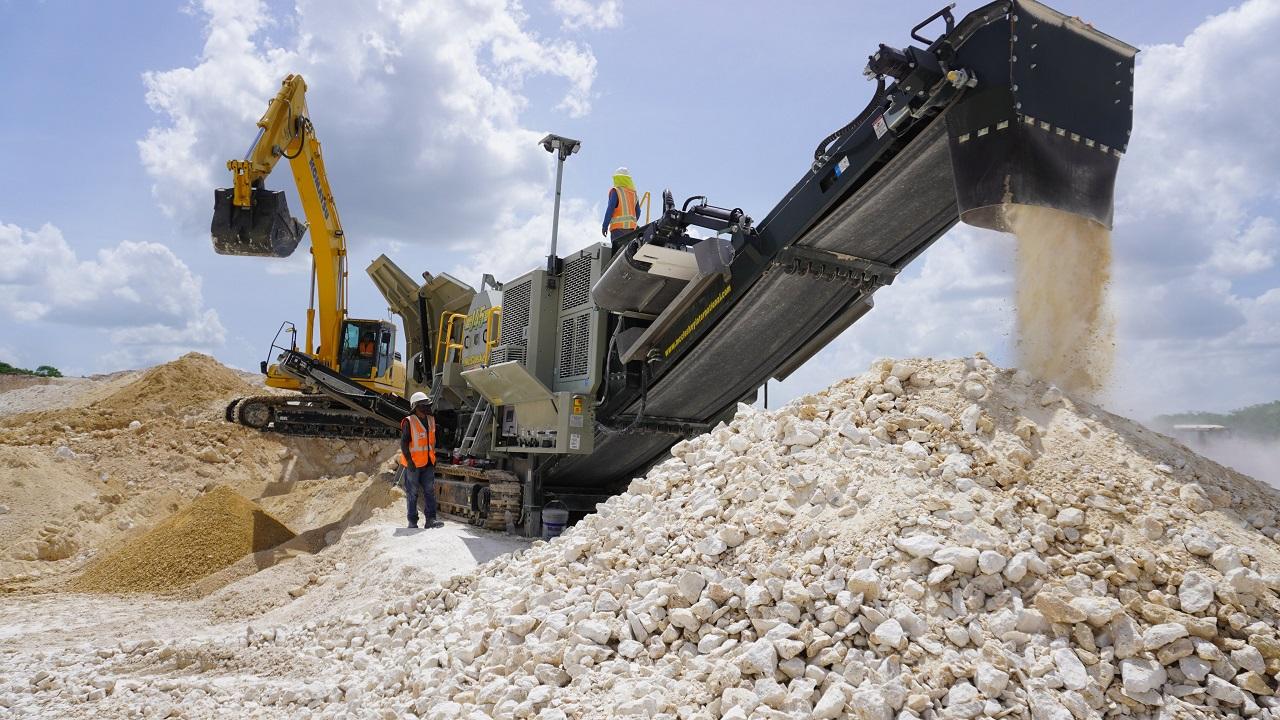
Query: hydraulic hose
point(819, 153)
point(644, 397)
point(303, 123)
point(608, 363)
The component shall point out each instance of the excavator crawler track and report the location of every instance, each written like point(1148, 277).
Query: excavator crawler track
point(305, 416)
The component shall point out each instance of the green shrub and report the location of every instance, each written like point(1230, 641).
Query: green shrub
point(42, 371)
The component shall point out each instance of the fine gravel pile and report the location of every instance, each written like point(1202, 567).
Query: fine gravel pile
point(215, 530)
point(927, 540)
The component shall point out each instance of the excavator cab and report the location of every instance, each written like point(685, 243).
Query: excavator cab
point(367, 350)
point(263, 229)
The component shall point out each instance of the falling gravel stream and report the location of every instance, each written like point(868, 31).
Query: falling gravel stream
point(1064, 330)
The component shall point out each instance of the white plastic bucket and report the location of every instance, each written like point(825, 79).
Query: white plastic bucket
point(555, 516)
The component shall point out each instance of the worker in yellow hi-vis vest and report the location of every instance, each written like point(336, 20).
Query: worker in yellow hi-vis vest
point(623, 212)
point(418, 456)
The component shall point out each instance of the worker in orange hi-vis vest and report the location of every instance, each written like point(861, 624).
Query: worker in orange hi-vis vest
point(418, 456)
point(622, 215)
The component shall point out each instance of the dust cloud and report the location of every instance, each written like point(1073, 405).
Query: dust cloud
point(1064, 331)
point(1259, 459)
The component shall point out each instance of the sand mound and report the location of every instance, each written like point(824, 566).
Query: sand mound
point(182, 385)
point(216, 530)
point(192, 385)
point(129, 450)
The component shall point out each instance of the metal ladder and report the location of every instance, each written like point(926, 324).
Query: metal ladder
point(475, 426)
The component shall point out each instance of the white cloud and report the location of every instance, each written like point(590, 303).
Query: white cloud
point(138, 346)
point(1196, 234)
point(514, 252)
point(1252, 250)
point(1199, 174)
point(576, 14)
point(1195, 287)
point(418, 105)
point(202, 330)
point(29, 254)
point(137, 293)
point(1197, 149)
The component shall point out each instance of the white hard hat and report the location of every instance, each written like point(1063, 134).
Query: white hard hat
point(418, 397)
point(621, 171)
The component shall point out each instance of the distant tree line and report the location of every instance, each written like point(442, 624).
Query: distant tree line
point(42, 371)
point(1260, 421)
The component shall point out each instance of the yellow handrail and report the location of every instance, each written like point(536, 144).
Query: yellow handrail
point(645, 202)
point(493, 323)
point(444, 340)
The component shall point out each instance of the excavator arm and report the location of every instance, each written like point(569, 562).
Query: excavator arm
point(248, 219)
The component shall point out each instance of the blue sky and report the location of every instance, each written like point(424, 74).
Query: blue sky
point(122, 115)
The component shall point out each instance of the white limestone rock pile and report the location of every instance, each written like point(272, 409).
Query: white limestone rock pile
point(928, 540)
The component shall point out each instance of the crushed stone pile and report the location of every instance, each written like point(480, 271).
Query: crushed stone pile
point(214, 531)
point(927, 540)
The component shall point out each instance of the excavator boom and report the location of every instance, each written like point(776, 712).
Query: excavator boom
point(249, 219)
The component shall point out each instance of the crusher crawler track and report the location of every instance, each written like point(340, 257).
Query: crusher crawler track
point(485, 498)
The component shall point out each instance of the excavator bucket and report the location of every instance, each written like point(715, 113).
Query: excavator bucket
point(1052, 130)
point(264, 229)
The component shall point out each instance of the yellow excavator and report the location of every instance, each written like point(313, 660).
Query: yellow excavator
point(352, 382)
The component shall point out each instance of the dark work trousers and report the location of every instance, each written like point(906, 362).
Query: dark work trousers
point(420, 481)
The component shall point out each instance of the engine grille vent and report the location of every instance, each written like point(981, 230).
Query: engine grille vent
point(504, 353)
point(575, 348)
point(515, 320)
point(577, 283)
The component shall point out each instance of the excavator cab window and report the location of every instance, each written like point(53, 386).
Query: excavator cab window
point(368, 348)
point(386, 349)
point(358, 356)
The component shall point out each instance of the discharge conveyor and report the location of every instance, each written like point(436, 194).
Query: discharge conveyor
point(1014, 103)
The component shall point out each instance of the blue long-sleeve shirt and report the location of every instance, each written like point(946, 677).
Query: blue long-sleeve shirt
point(613, 205)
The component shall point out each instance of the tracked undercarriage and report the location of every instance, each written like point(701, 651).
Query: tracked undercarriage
point(485, 498)
point(306, 416)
